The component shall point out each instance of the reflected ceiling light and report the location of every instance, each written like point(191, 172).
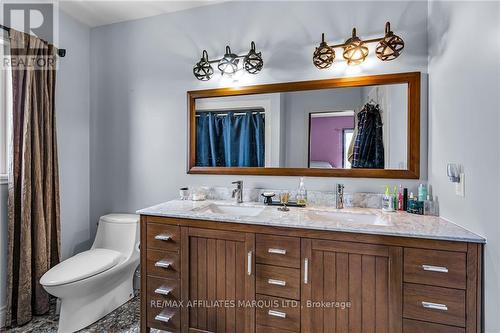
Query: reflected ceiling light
point(324, 55)
point(230, 64)
point(389, 47)
point(355, 50)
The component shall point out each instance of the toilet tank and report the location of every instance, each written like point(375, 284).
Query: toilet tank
point(119, 232)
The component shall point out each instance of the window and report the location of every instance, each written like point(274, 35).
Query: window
point(5, 107)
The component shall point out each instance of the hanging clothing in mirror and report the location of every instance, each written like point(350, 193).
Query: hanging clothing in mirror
point(368, 151)
point(230, 139)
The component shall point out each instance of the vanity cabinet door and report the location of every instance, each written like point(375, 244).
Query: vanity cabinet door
point(350, 287)
point(218, 280)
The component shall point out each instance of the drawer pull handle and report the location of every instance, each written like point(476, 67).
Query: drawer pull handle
point(277, 282)
point(163, 291)
point(435, 306)
point(162, 237)
point(277, 251)
point(249, 263)
point(162, 264)
point(306, 271)
point(163, 318)
point(276, 313)
point(431, 268)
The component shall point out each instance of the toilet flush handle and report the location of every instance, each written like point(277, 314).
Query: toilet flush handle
point(163, 237)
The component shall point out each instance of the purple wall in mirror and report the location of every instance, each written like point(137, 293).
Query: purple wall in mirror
point(326, 138)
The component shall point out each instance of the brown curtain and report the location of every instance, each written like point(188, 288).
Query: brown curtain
point(33, 208)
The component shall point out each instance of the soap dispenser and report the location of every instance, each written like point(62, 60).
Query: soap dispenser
point(301, 197)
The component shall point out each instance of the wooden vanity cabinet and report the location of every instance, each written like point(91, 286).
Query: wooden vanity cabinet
point(303, 280)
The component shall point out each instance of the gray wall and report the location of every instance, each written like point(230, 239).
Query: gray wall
point(463, 125)
point(72, 107)
point(141, 71)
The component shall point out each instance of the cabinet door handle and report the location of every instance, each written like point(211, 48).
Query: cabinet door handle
point(306, 271)
point(163, 237)
point(277, 282)
point(163, 318)
point(163, 291)
point(431, 268)
point(276, 251)
point(162, 264)
point(435, 306)
point(249, 263)
point(276, 313)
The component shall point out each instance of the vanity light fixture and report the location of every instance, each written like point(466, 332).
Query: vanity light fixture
point(229, 64)
point(355, 50)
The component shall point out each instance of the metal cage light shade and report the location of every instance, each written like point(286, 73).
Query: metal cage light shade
point(203, 71)
point(324, 55)
point(355, 51)
point(253, 60)
point(389, 47)
point(229, 63)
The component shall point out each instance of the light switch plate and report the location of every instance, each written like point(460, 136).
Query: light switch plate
point(460, 187)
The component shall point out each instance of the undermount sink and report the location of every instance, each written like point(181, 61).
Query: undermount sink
point(351, 218)
point(232, 210)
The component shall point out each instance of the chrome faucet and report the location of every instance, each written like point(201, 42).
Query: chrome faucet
point(238, 191)
point(339, 198)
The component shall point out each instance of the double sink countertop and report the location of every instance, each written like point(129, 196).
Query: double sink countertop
point(355, 220)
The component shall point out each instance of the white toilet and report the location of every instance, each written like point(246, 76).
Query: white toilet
point(93, 283)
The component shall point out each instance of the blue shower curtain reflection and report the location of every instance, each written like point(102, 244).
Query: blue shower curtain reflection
point(229, 139)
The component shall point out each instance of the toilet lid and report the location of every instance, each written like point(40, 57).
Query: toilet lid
point(81, 266)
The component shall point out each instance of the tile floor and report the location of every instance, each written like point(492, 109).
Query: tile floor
point(125, 319)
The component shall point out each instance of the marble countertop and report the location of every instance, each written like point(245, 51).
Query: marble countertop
point(355, 220)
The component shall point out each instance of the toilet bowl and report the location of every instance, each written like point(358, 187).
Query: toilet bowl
point(93, 283)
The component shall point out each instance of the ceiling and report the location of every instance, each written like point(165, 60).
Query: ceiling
point(96, 13)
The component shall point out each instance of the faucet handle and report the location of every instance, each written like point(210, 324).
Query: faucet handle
point(239, 182)
point(340, 188)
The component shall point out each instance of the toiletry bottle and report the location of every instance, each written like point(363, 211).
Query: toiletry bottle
point(395, 198)
point(422, 192)
point(405, 199)
point(387, 200)
point(301, 197)
point(429, 206)
point(400, 197)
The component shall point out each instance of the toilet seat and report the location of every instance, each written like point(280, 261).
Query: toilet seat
point(81, 266)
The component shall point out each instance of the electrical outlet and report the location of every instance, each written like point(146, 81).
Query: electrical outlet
point(460, 186)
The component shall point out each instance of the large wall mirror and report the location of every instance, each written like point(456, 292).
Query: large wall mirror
point(349, 127)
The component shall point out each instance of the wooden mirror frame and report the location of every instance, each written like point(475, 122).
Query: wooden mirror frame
point(413, 137)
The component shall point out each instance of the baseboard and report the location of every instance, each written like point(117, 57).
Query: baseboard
point(3, 311)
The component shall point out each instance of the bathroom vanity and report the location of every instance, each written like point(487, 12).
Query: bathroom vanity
point(223, 267)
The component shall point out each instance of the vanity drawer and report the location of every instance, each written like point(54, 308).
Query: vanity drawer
point(163, 236)
point(278, 313)
point(163, 264)
point(278, 281)
point(277, 250)
point(437, 268)
point(415, 326)
point(434, 304)
point(266, 329)
point(164, 318)
point(162, 289)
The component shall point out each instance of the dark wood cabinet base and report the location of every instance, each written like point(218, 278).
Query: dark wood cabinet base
point(205, 276)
